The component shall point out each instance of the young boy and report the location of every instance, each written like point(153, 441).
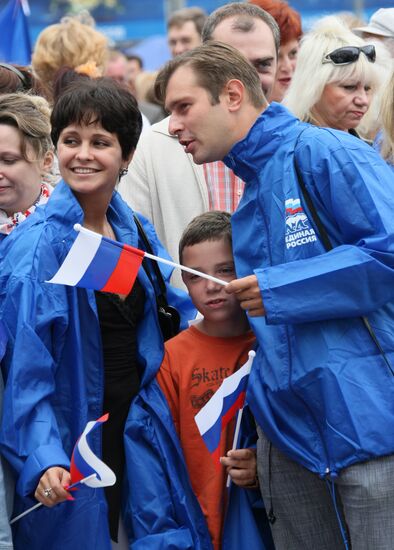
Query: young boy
point(198, 360)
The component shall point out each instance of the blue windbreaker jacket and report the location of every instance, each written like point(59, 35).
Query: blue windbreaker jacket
point(159, 475)
point(319, 389)
point(54, 355)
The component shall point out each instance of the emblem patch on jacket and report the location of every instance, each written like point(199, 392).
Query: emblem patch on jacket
point(298, 229)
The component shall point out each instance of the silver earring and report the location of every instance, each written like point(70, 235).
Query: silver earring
point(123, 172)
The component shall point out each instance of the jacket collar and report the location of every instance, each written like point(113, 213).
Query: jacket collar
point(261, 142)
point(63, 210)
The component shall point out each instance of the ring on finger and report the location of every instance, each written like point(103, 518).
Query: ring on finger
point(47, 492)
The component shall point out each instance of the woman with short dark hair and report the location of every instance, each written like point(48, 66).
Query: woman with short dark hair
point(73, 353)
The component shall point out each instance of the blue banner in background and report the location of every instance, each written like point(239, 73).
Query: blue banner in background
point(15, 44)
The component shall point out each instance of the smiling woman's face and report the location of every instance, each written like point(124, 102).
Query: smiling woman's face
point(20, 179)
point(342, 105)
point(90, 158)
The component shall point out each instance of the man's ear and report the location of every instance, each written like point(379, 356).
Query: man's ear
point(235, 92)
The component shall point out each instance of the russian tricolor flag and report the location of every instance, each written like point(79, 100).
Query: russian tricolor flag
point(99, 263)
point(84, 462)
point(222, 407)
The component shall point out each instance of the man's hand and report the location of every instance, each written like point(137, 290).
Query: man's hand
point(247, 292)
point(241, 466)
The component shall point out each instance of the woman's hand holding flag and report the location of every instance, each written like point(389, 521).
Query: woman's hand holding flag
point(86, 469)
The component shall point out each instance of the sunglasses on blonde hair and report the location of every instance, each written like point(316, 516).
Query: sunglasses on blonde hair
point(350, 54)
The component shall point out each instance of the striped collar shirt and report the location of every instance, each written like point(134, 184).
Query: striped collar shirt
point(224, 187)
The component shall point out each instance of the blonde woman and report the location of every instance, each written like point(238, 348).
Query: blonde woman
point(70, 43)
point(335, 78)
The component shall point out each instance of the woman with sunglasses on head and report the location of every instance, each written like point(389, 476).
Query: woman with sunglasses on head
point(17, 78)
point(74, 354)
point(335, 78)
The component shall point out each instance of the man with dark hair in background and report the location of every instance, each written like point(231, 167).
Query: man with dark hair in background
point(184, 29)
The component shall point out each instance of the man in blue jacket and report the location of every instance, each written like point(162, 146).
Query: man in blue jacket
point(322, 390)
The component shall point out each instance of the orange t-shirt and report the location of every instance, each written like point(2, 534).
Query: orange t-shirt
point(193, 368)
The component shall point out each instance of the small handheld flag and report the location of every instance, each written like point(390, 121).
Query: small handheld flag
point(80, 482)
point(85, 463)
point(212, 419)
point(100, 263)
point(86, 468)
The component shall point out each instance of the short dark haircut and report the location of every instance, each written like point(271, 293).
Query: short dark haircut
point(210, 226)
point(182, 16)
point(245, 15)
point(214, 64)
point(101, 100)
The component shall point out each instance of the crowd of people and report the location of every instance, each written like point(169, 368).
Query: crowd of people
point(263, 157)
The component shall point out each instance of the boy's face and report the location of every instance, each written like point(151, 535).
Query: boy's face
point(214, 258)
point(203, 129)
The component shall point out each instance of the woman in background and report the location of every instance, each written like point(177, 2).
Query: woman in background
point(289, 22)
point(71, 43)
point(26, 157)
point(335, 78)
point(16, 78)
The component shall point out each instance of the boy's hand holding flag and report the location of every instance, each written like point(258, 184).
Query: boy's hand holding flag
point(213, 418)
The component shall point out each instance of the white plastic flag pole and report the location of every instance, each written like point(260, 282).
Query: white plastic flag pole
point(82, 481)
point(78, 227)
point(235, 440)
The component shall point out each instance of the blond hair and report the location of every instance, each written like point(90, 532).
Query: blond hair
point(329, 34)
point(387, 118)
point(69, 43)
point(30, 115)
